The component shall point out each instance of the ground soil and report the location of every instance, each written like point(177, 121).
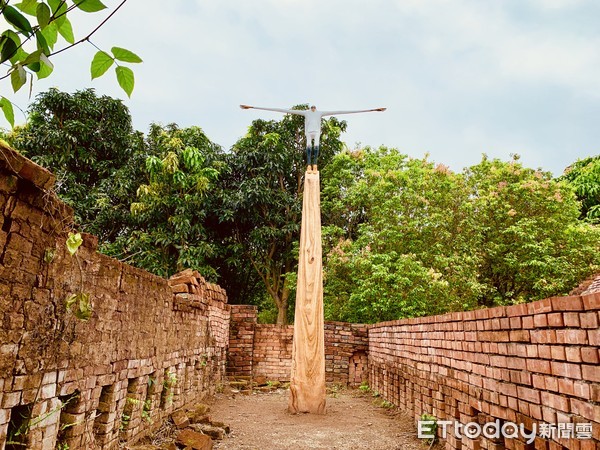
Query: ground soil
point(354, 420)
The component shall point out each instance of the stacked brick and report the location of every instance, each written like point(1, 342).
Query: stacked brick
point(265, 351)
point(530, 364)
point(346, 349)
point(272, 352)
point(144, 352)
point(241, 340)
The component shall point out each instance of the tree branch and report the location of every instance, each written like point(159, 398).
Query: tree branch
point(92, 33)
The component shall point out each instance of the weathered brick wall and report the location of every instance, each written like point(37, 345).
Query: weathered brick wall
point(527, 364)
point(150, 346)
point(241, 340)
point(272, 352)
point(265, 351)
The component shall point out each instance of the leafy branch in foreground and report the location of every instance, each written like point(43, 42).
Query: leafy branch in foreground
point(28, 43)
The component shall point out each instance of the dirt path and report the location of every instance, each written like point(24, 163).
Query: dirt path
point(261, 422)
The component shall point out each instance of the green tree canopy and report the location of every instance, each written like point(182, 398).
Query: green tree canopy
point(407, 237)
point(530, 242)
point(170, 232)
point(394, 240)
point(584, 177)
point(89, 143)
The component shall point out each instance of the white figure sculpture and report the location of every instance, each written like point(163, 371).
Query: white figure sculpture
point(312, 128)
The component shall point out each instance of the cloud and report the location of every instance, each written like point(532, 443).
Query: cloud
point(458, 77)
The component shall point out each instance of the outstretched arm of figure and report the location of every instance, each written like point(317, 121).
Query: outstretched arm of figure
point(285, 111)
point(335, 113)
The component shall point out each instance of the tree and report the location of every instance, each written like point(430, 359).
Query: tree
point(89, 143)
point(172, 206)
point(261, 199)
point(530, 242)
point(584, 177)
point(407, 237)
point(400, 248)
point(28, 44)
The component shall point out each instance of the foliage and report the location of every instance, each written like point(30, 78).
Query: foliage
point(35, 27)
point(406, 238)
point(73, 242)
point(171, 208)
point(398, 248)
point(584, 177)
point(261, 202)
point(529, 241)
point(88, 142)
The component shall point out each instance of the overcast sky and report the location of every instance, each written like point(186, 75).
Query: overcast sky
point(459, 77)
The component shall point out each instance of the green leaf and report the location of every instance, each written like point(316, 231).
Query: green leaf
point(41, 42)
point(46, 67)
point(16, 19)
point(18, 77)
point(70, 301)
point(73, 242)
point(32, 58)
point(51, 34)
point(125, 55)
point(126, 79)
point(58, 7)
point(90, 5)
point(43, 14)
point(66, 30)
point(79, 304)
point(7, 109)
point(9, 48)
point(28, 7)
point(100, 64)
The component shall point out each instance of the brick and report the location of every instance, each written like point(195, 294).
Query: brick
point(539, 366)
point(588, 320)
point(591, 301)
point(566, 303)
point(540, 306)
point(585, 409)
point(590, 373)
point(540, 320)
point(519, 336)
point(555, 320)
point(593, 337)
point(571, 319)
point(543, 336)
point(590, 355)
point(527, 394)
point(563, 369)
point(572, 336)
point(527, 322)
point(558, 352)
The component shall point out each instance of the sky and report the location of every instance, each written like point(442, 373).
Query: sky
point(460, 78)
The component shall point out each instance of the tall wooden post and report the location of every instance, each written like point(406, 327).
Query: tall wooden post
point(307, 384)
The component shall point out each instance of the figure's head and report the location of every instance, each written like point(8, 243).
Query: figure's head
point(313, 108)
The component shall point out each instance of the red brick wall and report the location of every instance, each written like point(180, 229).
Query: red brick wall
point(532, 363)
point(150, 346)
point(259, 350)
point(272, 354)
point(241, 340)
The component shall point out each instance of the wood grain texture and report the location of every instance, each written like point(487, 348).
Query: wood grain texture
point(307, 384)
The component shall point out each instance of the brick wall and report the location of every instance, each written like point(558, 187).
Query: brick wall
point(272, 352)
point(533, 363)
point(150, 346)
point(265, 351)
point(241, 340)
